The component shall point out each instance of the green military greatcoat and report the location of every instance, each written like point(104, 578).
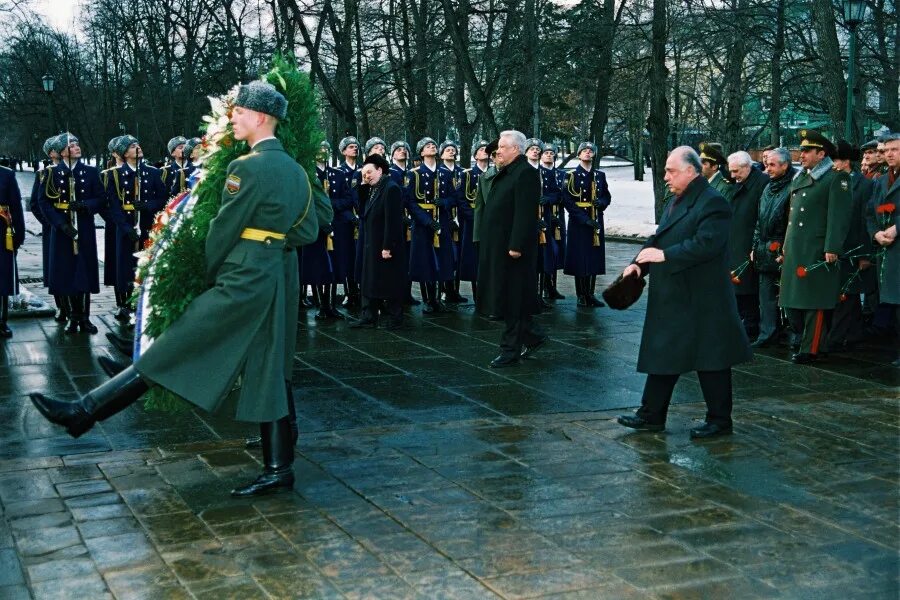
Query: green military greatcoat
point(818, 222)
point(481, 193)
point(721, 185)
point(228, 344)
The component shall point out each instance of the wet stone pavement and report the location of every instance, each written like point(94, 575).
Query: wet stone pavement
point(423, 474)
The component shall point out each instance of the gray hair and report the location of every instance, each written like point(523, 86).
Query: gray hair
point(689, 158)
point(517, 138)
point(740, 159)
point(782, 155)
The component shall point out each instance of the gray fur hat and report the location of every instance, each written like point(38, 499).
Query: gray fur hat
point(111, 146)
point(122, 143)
point(374, 142)
point(189, 146)
point(448, 144)
point(420, 145)
point(533, 142)
point(48, 145)
point(400, 144)
point(262, 97)
point(62, 141)
point(585, 146)
point(479, 144)
point(347, 141)
point(176, 141)
point(550, 147)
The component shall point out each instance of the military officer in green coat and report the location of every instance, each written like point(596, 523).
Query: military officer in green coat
point(226, 352)
point(818, 222)
point(692, 321)
point(712, 159)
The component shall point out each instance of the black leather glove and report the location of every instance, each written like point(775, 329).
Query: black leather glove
point(326, 228)
point(593, 224)
point(140, 205)
point(354, 220)
point(407, 221)
point(436, 226)
point(598, 205)
point(77, 205)
point(441, 203)
point(133, 235)
point(555, 222)
point(546, 201)
point(69, 230)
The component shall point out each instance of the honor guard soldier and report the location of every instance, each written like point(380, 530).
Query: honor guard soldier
point(468, 254)
point(400, 174)
point(554, 255)
point(449, 199)
point(857, 272)
point(315, 259)
point(533, 147)
point(109, 229)
point(346, 224)
point(431, 250)
point(62, 307)
point(12, 232)
point(818, 221)
point(177, 173)
point(712, 159)
point(135, 193)
point(70, 197)
point(586, 196)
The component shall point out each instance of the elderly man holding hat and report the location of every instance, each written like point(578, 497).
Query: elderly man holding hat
point(135, 192)
point(225, 353)
point(818, 221)
point(70, 197)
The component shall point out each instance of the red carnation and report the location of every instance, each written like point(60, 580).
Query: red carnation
point(801, 271)
point(774, 246)
point(843, 297)
point(735, 279)
point(885, 208)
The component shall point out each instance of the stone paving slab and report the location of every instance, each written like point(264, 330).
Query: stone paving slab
point(423, 474)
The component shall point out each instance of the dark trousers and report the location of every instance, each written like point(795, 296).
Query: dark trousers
point(392, 307)
point(813, 327)
point(716, 386)
point(769, 315)
point(748, 309)
point(519, 331)
point(847, 322)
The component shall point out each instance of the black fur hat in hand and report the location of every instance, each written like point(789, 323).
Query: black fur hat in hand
point(624, 291)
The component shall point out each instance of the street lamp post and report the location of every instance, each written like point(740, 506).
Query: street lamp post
point(49, 84)
point(854, 13)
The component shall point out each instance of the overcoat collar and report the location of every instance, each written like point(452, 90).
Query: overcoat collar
point(683, 204)
point(269, 144)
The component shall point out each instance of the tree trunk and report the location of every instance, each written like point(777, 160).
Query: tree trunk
point(777, 52)
point(829, 61)
point(658, 121)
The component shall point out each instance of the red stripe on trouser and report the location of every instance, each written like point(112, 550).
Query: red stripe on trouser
point(817, 332)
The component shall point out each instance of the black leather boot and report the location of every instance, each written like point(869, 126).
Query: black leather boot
point(580, 291)
point(122, 314)
point(121, 343)
point(553, 292)
point(589, 293)
point(100, 403)
point(256, 442)
point(333, 312)
point(85, 323)
point(110, 366)
point(278, 460)
point(5, 331)
point(324, 301)
point(76, 312)
point(62, 309)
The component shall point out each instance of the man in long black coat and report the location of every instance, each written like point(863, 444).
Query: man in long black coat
point(692, 322)
point(384, 272)
point(507, 262)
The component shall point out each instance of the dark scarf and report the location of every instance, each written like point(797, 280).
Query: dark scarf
point(776, 186)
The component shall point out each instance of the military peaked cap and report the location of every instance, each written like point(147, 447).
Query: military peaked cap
point(712, 153)
point(812, 139)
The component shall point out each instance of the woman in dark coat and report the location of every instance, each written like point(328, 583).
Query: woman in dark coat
point(385, 281)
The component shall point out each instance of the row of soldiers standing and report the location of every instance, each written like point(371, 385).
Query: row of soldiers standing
point(441, 201)
point(127, 195)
